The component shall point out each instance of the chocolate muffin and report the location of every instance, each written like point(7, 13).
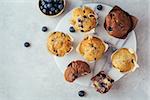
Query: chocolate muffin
point(76, 69)
point(118, 23)
point(102, 82)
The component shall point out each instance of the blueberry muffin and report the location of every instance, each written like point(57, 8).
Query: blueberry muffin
point(119, 23)
point(59, 43)
point(91, 48)
point(102, 82)
point(76, 69)
point(52, 7)
point(124, 60)
point(83, 19)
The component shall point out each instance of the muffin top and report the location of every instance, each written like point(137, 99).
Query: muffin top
point(59, 43)
point(124, 60)
point(119, 23)
point(76, 69)
point(91, 48)
point(83, 19)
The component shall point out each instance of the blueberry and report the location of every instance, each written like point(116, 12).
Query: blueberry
point(43, 3)
point(110, 29)
point(52, 9)
point(60, 1)
point(81, 93)
point(99, 7)
point(27, 44)
point(44, 10)
point(71, 29)
point(41, 7)
point(84, 16)
point(44, 28)
point(56, 11)
point(45, 6)
point(82, 30)
point(49, 5)
point(55, 0)
point(50, 12)
point(48, 1)
point(60, 6)
point(55, 5)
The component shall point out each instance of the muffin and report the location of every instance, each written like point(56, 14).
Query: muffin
point(59, 43)
point(76, 69)
point(83, 19)
point(102, 82)
point(124, 60)
point(119, 23)
point(91, 48)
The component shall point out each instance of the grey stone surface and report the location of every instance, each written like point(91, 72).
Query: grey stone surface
point(31, 73)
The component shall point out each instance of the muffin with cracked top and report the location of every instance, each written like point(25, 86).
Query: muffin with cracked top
point(83, 19)
point(59, 43)
point(92, 48)
point(119, 23)
point(124, 60)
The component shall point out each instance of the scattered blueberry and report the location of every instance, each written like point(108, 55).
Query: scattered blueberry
point(71, 29)
point(44, 28)
point(81, 93)
point(27, 44)
point(99, 7)
point(61, 6)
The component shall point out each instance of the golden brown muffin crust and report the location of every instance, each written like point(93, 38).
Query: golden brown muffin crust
point(59, 43)
point(83, 19)
point(91, 48)
point(123, 60)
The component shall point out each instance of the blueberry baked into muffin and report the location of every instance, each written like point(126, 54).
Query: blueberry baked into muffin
point(102, 82)
point(119, 23)
point(76, 69)
point(124, 60)
point(83, 19)
point(52, 7)
point(91, 48)
point(59, 43)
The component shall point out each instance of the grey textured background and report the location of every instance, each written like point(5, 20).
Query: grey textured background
point(31, 73)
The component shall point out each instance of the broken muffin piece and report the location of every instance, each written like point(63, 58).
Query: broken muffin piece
point(102, 82)
point(76, 69)
point(118, 23)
